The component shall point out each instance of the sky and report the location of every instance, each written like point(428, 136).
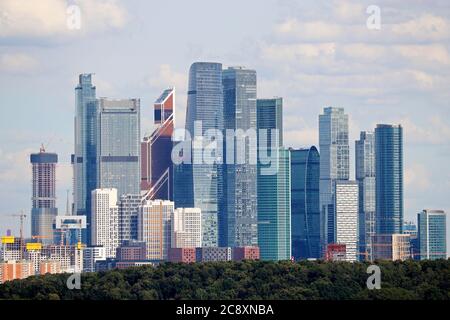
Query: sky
point(312, 53)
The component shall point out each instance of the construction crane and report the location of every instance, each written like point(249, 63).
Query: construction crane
point(22, 217)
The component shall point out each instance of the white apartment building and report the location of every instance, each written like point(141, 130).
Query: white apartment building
point(346, 217)
point(105, 220)
point(91, 255)
point(187, 228)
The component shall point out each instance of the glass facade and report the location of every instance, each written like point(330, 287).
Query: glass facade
point(238, 216)
point(432, 226)
point(203, 181)
point(365, 175)
point(389, 178)
point(334, 165)
point(274, 190)
point(85, 156)
point(305, 210)
point(118, 148)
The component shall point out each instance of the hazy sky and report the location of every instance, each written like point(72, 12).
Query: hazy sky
point(312, 53)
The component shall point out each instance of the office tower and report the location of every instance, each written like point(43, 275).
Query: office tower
point(186, 228)
point(389, 178)
point(365, 175)
point(43, 210)
point(91, 255)
point(128, 216)
point(154, 226)
point(432, 226)
point(305, 211)
point(274, 183)
point(238, 220)
point(391, 247)
point(198, 182)
point(105, 220)
point(118, 147)
point(334, 164)
point(85, 155)
point(345, 220)
point(156, 151)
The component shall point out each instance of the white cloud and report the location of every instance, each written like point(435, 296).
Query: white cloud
point(17, 63)
point(417, 177)
point(25, 19)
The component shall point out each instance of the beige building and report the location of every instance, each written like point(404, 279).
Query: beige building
point(154, 227)
point(187, 228)
point(391, 247)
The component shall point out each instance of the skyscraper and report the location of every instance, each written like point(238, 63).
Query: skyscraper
point(345, 220)
point(85, 155)
point(105, 220)
point(305, 211)
point(118, 148)
point(365, 175)
point(44, 209)
point(432, 226)
point(274, 183)
point(389, 178)
point(199, 183)
point(238, 217)
point(156, 150)
point(334, 164)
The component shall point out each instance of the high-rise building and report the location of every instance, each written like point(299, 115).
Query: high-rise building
point(118, 148)
point(156, 151)
point(186, 228)
point(345, 219)
point(391, 247)
point(274, 183)
point(44, 209)
point(334, 164)
point(432, 225)
point(91, 255)
point(238, 218)
point(12, 270)
point(105, 220)
point(198, 183)
point(389, 178)
point(154, 227)
point(365, 175)
point(305, 210)
point(85, 155)
point(128, 216)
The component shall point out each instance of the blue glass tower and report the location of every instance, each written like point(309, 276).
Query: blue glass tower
point(305, 209)
point(389, 178)
point(85, 155)
point(274, 183)
point(203, 179)
point(238, 217)
point(432, 233)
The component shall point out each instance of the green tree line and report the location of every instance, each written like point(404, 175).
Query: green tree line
point(252, 280)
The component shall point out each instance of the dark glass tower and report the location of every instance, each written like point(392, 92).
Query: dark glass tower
point(305, 207)
point(389, 178)
point(238, 217)
point(44, 209)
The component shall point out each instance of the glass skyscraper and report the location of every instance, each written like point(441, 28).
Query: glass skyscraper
point(365, 175)
point(432, 226)
point(389, 178)
point(202, 180)
point(305, 211)
point(274, 186)
point(334, 165)
point(238, 217)
point(85, 156)
point(118, 147)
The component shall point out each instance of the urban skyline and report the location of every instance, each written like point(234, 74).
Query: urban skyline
point(429, 184)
